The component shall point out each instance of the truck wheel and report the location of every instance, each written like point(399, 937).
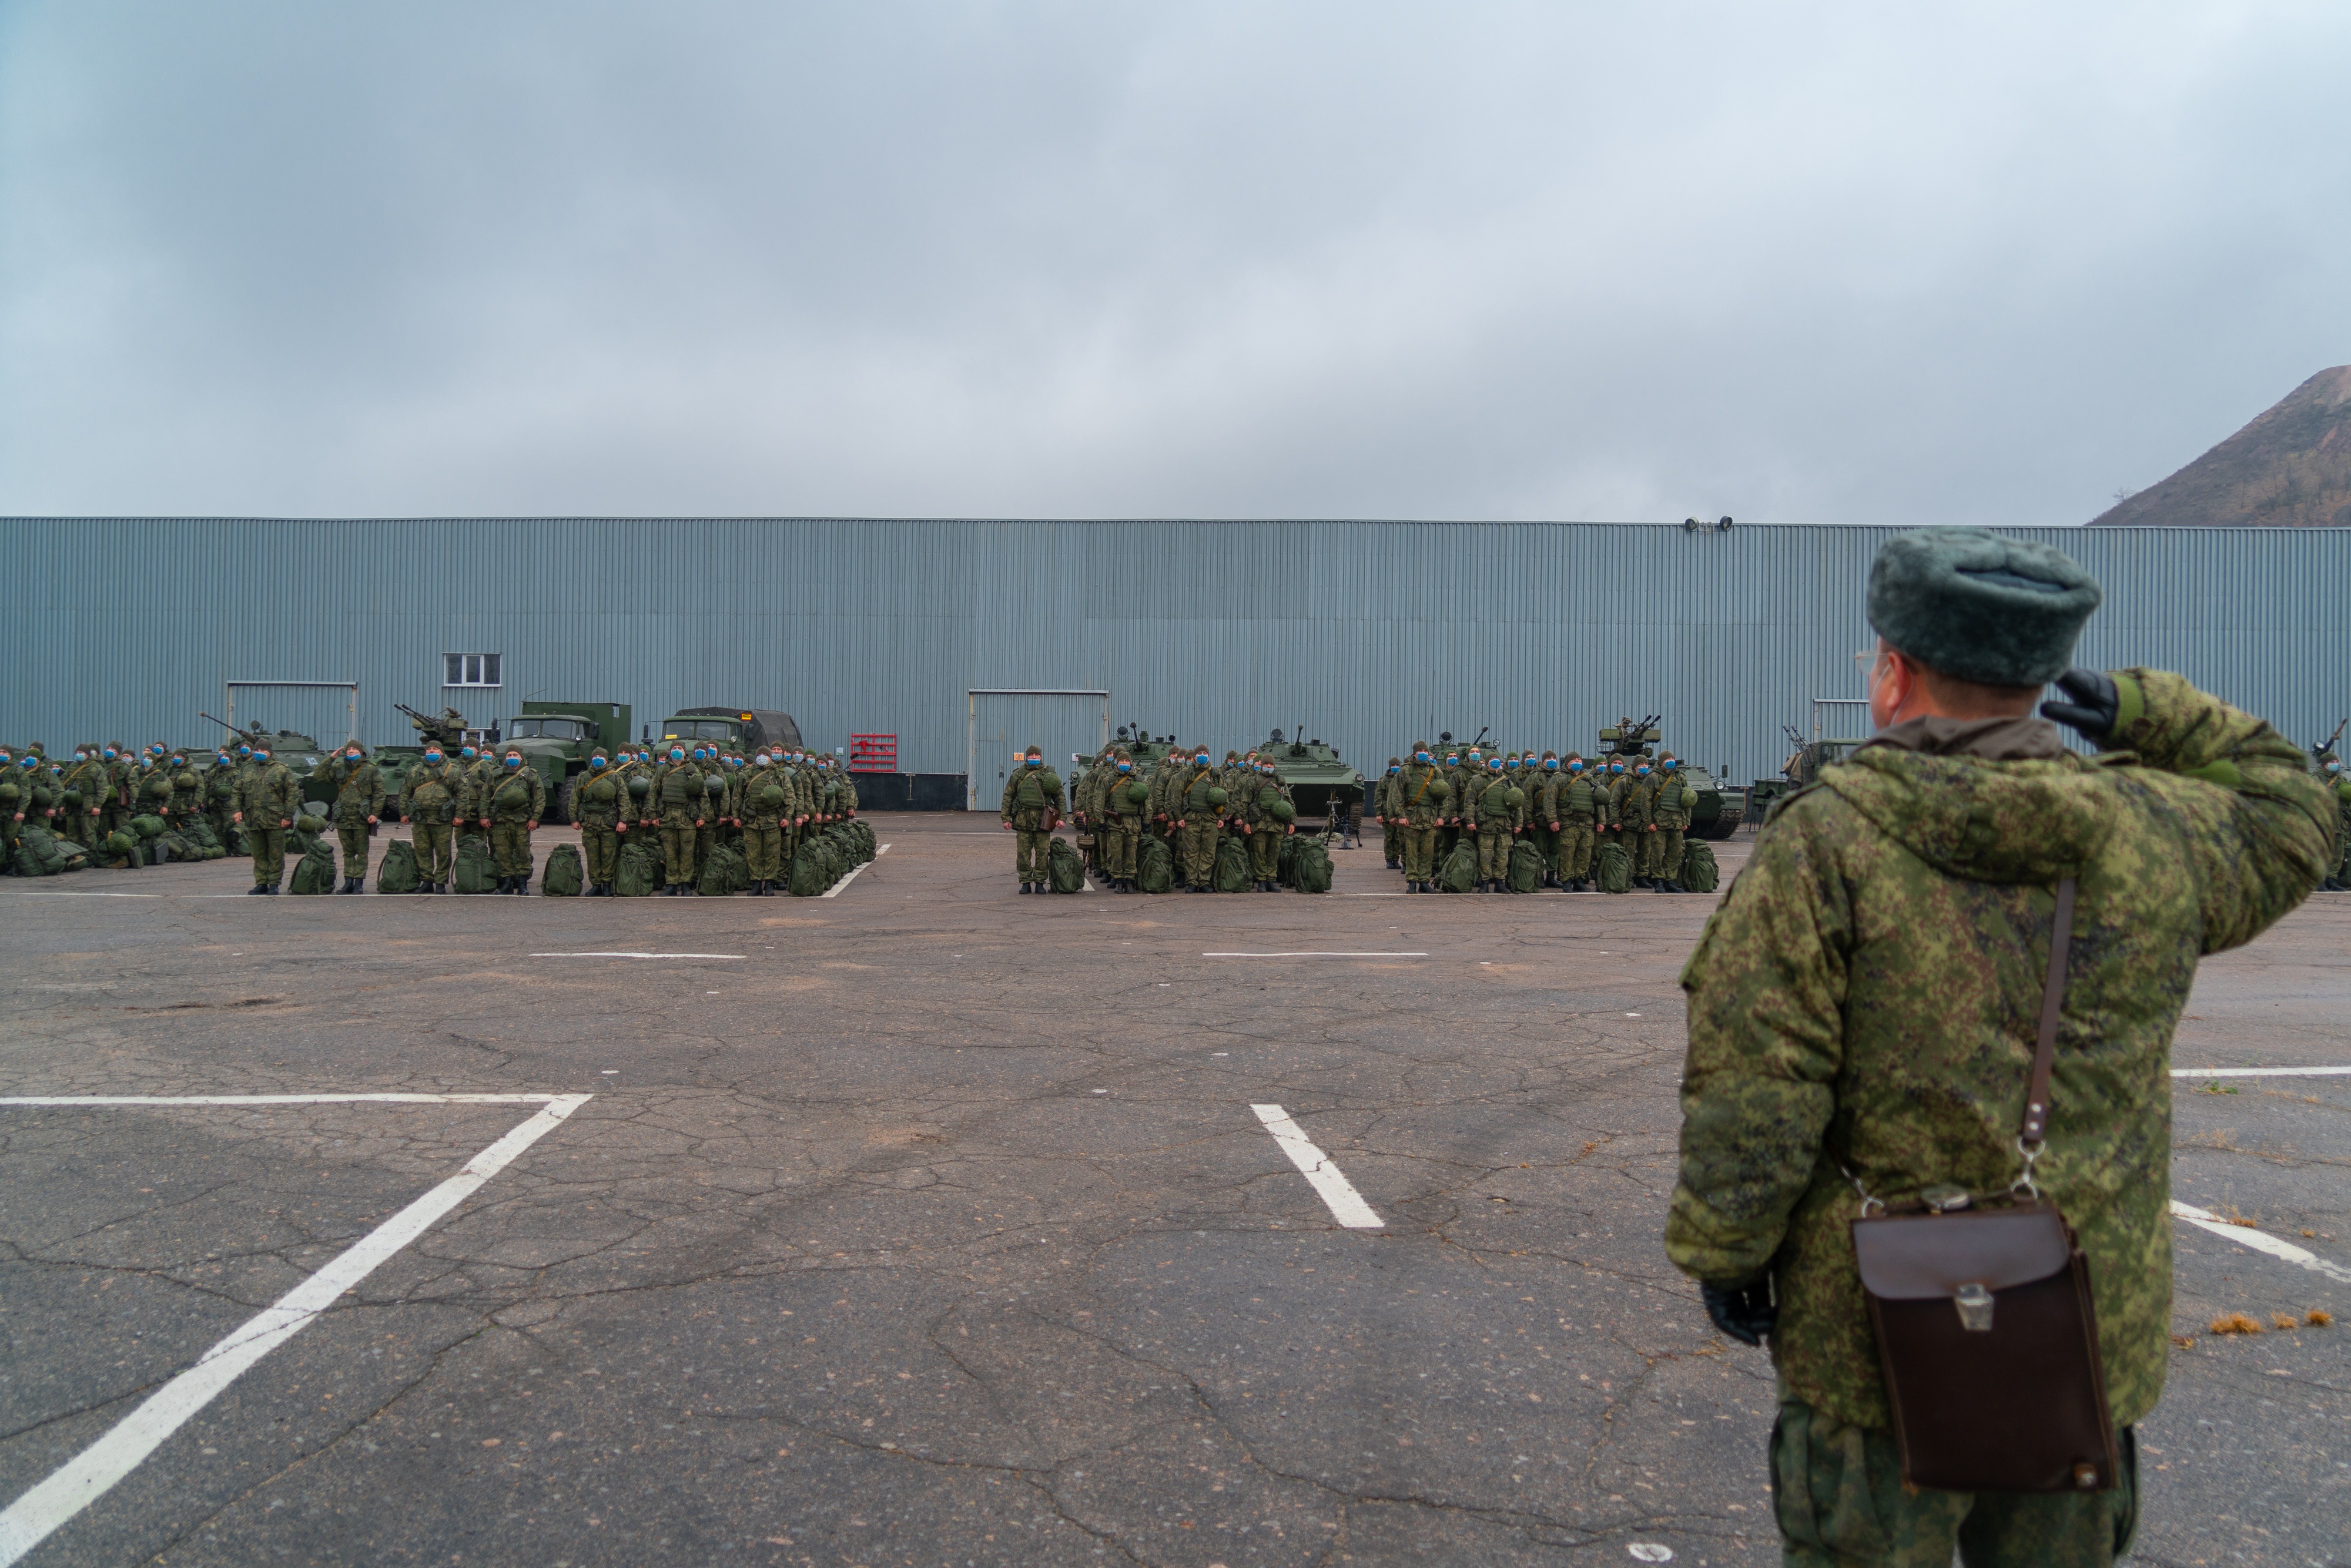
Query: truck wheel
point(562, 799)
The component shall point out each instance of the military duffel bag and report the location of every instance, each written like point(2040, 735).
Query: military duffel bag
point(120, 848)
point(148, 827)
point(1459, 872)
point(1612, 868)
point(40, 852)
point(1310, 871)
point(475, 870)
point(640, 872)
point(398, 873)
point(564, 876)
point(1231, 872)
point(809, 873)
point(1155, 867)
point(1065, 869)
point(724, 872)
point(1526, 867)
point(315, 872)
point(1699, 873)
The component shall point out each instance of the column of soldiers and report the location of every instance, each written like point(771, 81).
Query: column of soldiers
point(1188, 801)
point(1567, 808)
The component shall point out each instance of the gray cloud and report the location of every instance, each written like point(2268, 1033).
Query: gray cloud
point(1863, 264)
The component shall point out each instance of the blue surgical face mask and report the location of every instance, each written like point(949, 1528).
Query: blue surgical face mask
point(1420, 757)
point(244, 751)
point(596, 762)
point(1668, 765)
point(513, 761)
point(1642, 771)
point(1126, 768)
point(1615, 768)
point(261, 756)
point(350, 757)
point(1576, 767)
point(1495, 766)
point(1550, 764)
point(465, 751)
point(429, 756)
point(676, 754)
point(110, 754)
point(1036, 762)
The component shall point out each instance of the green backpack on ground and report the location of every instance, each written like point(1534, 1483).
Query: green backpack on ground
point(640, 871)
point(1285, 861)
point(120, 846)
point(1231, 872)
point(472, 869)
point(1526, 868)
point(199, 833)
point(398, 872)
point(1612, 869)
point(1459, 872)
point(1699, 873)
point(724, 872)
point(148, 827)
point(40, 852)
point(1154, 868)
point(564, 876)
point(811, 871)
point(1065, 868)
point(1310, 869)
point(315, 872)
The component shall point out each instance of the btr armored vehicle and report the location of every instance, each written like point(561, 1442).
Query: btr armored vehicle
point(1320, 784)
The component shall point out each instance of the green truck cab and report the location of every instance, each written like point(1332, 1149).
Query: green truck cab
point(743, 730)
point(557, 740)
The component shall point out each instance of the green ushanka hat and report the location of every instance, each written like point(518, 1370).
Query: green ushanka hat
point(1978, 606)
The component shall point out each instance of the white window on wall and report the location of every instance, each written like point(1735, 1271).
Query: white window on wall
point(470, 669)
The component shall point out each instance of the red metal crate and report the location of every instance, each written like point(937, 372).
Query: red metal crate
point(873, 753)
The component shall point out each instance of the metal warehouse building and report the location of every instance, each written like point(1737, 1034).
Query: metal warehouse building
point(1366, 635)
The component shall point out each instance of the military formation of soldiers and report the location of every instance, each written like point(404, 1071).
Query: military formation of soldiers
point(1567, 807)
point(687, 799)
point(1187, 799)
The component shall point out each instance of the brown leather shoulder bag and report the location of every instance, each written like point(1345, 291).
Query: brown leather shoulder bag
point(1986, 1331)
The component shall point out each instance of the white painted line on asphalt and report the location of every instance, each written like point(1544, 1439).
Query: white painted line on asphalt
point(284, 1099)
point(2261, 1071)
point(639, 955)
point(1313, 954)
point(32, 1518)
point(1372, 896)
point(834, 891)
point(2259, 1242)
point(1347, 1205)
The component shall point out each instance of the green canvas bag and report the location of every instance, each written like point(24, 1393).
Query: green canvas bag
point(1699, 873)
point(1065, 868)
point(1231, 874)
point(315, 872)
point(640, 871)
point(1311, 866)
point(1526, 868)
point(564, 876)
point(398, 872)
point(474, 869)
point(1612, 869)
point(1155, 867)
point(1459, 872)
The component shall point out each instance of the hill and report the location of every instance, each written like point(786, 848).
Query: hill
point(2289, 468)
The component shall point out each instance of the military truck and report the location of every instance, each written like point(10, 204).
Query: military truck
point(1320, 784)
point(557, 740)
point(736, 729)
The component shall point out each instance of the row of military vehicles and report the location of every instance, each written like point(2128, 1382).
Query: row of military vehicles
point(557, 740)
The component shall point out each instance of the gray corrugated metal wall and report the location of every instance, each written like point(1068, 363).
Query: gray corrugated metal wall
point(1366, 633)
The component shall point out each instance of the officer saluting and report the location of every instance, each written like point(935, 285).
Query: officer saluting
point(1862, 1013)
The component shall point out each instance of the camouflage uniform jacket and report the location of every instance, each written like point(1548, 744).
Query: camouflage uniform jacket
point(1423, 795)
point(1667, 807)
point(272, 796)
point(513, 795)
point(590, 812)
point(357, 791)
point(1490, 805)
point(1046, 793)
point(429, 794)
point(1868, 994)
point(187, 791)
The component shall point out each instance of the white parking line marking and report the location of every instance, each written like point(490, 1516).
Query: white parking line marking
point(32, 1518)
point(2261, 1071)
point(1347, 1205)
point(1313, 954)
point(639, 955)
point(285, 1099)
point(2259, 1242)
point(834, 891)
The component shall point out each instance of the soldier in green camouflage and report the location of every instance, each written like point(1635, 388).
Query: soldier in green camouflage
point(266, 811)
point(359, 795)
point(1120, 823)
point(184, 810)
point(599, 798)
point(221, 798)
point(1670, 801)
point(517, 799)
point(428, 798)
point(1424, 799)
point(1493, 822)
point(1033, 802)
point(1201, 799)
point(15, 804)
point(766, 798)
point(1866, 998)
point(1385, 812)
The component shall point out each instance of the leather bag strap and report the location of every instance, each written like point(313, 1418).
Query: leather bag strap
point(2052, 999)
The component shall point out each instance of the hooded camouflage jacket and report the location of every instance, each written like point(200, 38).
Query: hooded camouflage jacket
point(1868, 994)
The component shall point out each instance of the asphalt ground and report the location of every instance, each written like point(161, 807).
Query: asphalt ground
point(936, 1224)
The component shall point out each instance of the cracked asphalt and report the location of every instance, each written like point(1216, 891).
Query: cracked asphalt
point(937, 1228)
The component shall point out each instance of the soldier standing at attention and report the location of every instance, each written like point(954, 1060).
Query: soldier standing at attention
point(1542, 784)
point(220, 800)
point(766, 797)
point(1578, 802)
point(1385, 812)
point(186, 806)
point(1120, 823)
point(1266, 829)
point(598, 798)
point(357, 793)
point(1196, 798)
point(517, 799)
point(266, 811)
point(1163, 808)
point(1863, 1016)
point(122, 780)
point(1495, 822)
point(1669, 817)
point(1032, 803)
point(428, 798)
point(86, 783)
point(1628, 808)
point(678, 788)
point(1423, 796)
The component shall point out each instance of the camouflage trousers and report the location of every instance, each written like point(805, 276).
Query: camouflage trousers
point(1494, 844)
point(599, 847)
point(1199, 853)
point(1392, 843)
point(510, 847)
point(268, 854)
point(1032, 854)
point(431, 841)
point(1841, 1503)
point(1575, 846)
point(1118, 837)
point(223, 830)
point(1420, 851)
point(1265, 852)
point(677, 853)
point(1546, 845)
point(354, 839)
point(763, 848)
point(1661, 854)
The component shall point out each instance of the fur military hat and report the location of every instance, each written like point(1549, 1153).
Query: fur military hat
point(1978, 606)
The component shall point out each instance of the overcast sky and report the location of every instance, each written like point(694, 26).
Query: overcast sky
point(1874, 263)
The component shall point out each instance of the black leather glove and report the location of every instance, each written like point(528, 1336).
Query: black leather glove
point(2094, 706)
point(1743, 1309)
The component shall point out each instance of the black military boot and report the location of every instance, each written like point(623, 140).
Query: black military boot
point(256, 887)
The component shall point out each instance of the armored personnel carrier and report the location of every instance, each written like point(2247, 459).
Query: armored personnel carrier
point(1722, 806)
point(1320, 783)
